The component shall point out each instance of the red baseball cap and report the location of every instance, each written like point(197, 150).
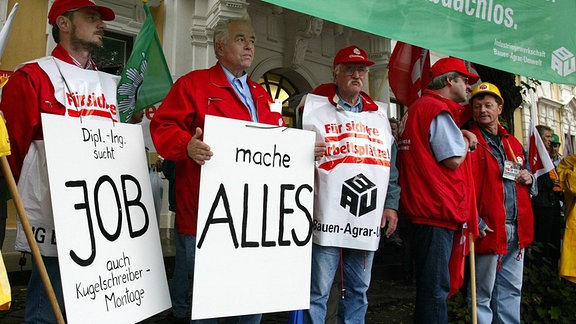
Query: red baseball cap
point(61, 6)
point(452, 64)
point(352, 54)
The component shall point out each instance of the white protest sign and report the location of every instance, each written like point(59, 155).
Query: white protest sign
point(108, 240)
point(353, 175)
point(253, 245)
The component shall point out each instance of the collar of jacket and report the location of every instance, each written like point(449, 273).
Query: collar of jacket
point(329, 90)
point(60, 53)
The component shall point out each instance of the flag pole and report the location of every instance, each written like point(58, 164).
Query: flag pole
point(473, 278)
point(30, 236)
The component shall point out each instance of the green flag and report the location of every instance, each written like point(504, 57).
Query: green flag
point(145, 79)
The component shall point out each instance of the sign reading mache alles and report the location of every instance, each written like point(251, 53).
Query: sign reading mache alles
point(108, 240)
point(253, 244)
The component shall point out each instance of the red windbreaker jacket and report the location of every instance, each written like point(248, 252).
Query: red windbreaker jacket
point(192, 97)
point(490, 194)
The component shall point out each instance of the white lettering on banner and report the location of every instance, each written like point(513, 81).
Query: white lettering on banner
point(494, 12)
point(518, 53)
point(40, 235)
point(109, 248)
point(490, 11)
point(352, 175)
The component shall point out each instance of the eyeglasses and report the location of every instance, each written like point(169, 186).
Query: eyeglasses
point(349, 70)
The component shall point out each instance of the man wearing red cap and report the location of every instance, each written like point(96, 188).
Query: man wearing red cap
point(46, 86)
point(356, 191)
point(503, 184)
point(435, 184)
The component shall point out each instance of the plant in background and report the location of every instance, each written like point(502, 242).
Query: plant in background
point(546, 298)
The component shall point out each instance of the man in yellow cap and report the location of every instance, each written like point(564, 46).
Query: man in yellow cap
point(47, 85)
point(503, 184)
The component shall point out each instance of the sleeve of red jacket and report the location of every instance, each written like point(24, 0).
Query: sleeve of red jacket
point(174, 122)
point(20, 106)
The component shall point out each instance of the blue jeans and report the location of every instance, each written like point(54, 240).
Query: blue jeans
point(499, 291)
point(189, 244)
point(38, 308)
point(357, 267)
point(432, 249)
point(183, 271)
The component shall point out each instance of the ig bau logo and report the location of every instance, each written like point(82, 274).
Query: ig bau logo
point(563, 61)
point(358, 195)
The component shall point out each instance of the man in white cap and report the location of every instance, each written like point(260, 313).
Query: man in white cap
point(49, 85)
point(356, 191)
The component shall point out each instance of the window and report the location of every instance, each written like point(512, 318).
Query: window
point(281, 88)
point(112, 57)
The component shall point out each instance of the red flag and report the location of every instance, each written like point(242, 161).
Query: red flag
point(461, 243)
point(408, 72)
point(539, 158)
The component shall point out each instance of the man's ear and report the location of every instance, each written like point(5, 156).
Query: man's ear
point(219, 48)
point(63, 23)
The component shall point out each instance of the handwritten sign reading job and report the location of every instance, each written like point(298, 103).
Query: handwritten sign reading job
point(108, 240)
point(253, 244)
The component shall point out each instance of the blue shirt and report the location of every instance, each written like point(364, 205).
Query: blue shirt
point(242, 89)
point(446, 139)
point(356, 108)
point(510, 200)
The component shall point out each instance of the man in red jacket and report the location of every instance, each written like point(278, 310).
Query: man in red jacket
point(222, 90)
point(43, 86)
point(435, 183)
point(503, 184)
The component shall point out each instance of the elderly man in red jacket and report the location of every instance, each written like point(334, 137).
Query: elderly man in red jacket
point(222, 90)
point(503, 183)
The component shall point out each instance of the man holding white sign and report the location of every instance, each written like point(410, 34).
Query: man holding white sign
point(223, 90)
point(66, 83)
point(357, 191)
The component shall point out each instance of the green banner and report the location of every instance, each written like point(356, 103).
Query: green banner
point(533, 38)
